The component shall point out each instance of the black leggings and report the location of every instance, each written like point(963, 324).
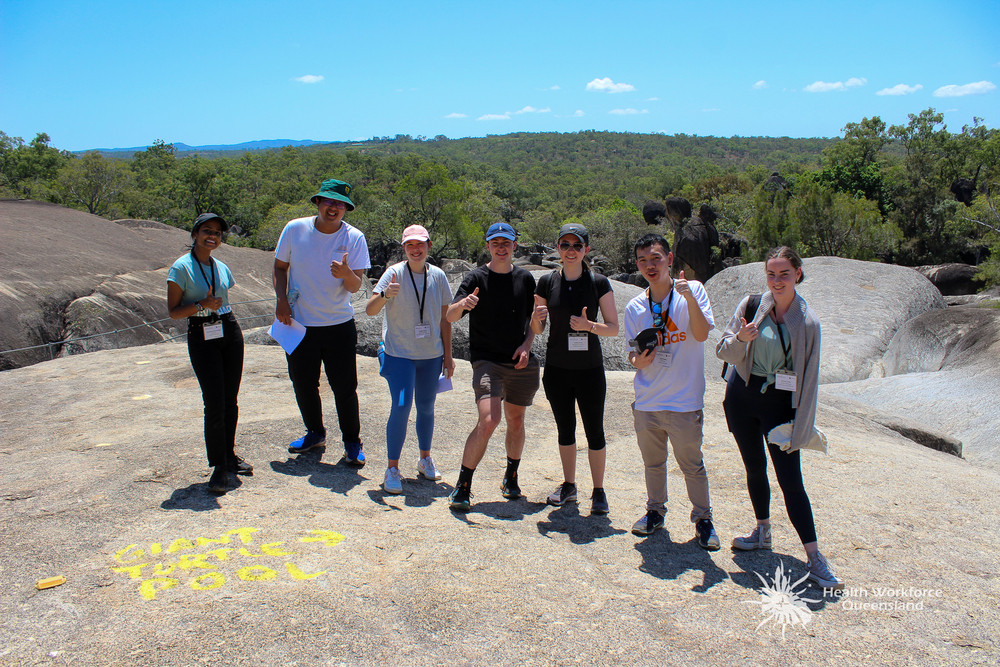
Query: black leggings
point(218, 365)
point(335, 347)
point(751, 415)
point(587, 387)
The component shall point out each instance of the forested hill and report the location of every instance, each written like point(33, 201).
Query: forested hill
point(914, 193)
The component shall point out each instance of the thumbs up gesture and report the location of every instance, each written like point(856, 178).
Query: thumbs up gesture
point(747, 332)
point(340, 269)
point(541, 310)
point(681, 285)
point(392, 289)
point(470, 301)
point(580, 322)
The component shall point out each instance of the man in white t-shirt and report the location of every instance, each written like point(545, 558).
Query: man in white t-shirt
point(670, 384)
point(319, 262)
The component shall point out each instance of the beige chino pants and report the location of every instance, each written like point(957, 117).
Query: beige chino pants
point(684, 431)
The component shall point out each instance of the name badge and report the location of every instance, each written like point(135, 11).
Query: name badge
point(422, 331)
point(664, 358)
point(212, 331)
point(785, 381)
point(577, 342)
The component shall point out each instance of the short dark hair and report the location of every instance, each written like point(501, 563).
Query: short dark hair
point(650, 240)
point(784, 252)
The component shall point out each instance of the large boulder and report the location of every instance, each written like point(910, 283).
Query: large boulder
point(861, 305)
point(66, 273)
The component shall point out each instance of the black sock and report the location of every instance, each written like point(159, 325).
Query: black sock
point(512, 468)
point(465, 476)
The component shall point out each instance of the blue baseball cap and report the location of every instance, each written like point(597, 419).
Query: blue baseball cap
point(501, 230)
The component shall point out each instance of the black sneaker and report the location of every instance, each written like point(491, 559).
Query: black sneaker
point(648, 523)
point(218, 483)
point(599, 502)
point(461, 498)
point(241, 467)
point(566, 493)
point(705, 532)
point(510, 489)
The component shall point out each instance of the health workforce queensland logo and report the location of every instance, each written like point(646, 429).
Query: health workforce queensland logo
point(781, 603)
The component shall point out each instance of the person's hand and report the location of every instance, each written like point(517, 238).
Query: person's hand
point(643, 360)
point(747, 332)
point(392, 290)
point(520, 356)
point(448, 367)
point(580, 322)
point(340, 269)
point(211, 302)
point(283, 311)
point(541, 310)
point(469, 302)
point(682, 286)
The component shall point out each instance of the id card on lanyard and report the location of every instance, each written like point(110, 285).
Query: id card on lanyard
point(785, 380)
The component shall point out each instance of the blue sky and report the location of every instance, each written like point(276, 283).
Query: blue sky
point(117, 74)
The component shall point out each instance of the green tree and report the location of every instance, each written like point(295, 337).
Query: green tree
point(93, 182)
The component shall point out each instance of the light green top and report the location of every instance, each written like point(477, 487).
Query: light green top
point(769, 355)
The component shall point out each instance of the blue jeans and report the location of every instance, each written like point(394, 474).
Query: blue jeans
point(409, 380)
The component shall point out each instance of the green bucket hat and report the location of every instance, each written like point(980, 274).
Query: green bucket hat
point(334, 189)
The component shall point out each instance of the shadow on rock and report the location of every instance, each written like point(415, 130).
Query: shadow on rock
point(338, 478)
point(772, 567)
point(665, 559)
point(578, 528)
point(416, 493)
point(194, 497)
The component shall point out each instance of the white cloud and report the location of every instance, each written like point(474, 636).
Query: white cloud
point(578, 114)
point(530, 109)
point(555, 88)
point(900, 89)
point(828, 86)
point(653, 99)
point(606, 85)
point(627, 112)
point(760, 85)
point(977, 88)
point(495, 116)
point(456, 115)
point(309, 78)
point(711, 110)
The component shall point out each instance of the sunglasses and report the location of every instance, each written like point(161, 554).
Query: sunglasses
point(566, 246)
point(332, 202)
point(658, 315)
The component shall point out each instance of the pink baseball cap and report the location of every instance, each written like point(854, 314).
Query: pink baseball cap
point(415, 233)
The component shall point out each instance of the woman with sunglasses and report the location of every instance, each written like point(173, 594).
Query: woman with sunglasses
point(198, 289)
point(775, 355)
point(574, 365)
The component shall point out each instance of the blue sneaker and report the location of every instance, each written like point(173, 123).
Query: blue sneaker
point(308, 441)
point(353, 455)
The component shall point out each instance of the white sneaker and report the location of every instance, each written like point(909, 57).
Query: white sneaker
point(760, 538)
point(393, 482)
point(822, 573)
point(427, 469)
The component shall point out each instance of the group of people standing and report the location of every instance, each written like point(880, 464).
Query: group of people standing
point(772, 343)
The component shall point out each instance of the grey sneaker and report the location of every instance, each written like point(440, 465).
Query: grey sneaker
point(648, 523)
point(821, 572)
point(760, 538)
point(566, 493)
point(427, 469)
point(393, 481)
point(599, 502)
point(707, 537)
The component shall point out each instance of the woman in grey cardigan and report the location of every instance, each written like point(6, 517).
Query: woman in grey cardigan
point(775, 356)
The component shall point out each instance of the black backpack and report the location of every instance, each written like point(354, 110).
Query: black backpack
point(753, 303)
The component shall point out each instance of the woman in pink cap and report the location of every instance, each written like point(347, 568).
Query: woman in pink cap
point(415, 349)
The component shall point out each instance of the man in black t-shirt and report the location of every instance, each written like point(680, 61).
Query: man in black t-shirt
point(499, 298)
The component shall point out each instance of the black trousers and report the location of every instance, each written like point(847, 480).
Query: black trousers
point(564, 389)
point(336, 348)
point(751, 415)
point(218, 365)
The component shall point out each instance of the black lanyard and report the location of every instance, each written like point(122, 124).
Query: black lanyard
point(420, 300)
point(211, 285)
point(781, 336)
point(664, 315)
